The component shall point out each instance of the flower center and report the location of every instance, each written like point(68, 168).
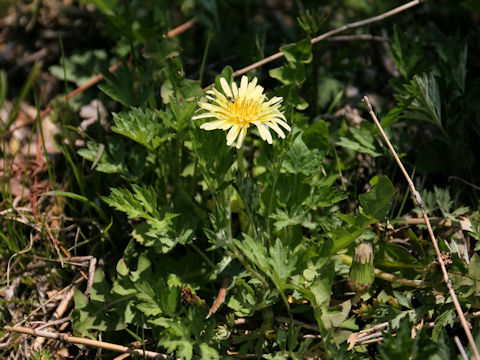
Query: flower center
point(244, 112)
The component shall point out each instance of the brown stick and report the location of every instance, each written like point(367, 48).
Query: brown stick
point(85, 341)
point(181, 28)
point(465, 324)
point(330, 33)
point(220, 297)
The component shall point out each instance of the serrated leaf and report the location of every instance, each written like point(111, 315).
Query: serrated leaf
point(325, 196)
point(147, 197)
point(123, 200)
point(120, 87)
point(405, 52)
point(447, 317)
point(283, 219)
point(147, 299)
point(254, 251)
point(142, 126)
point(282, 261)
point(299, 159)
point(362, 142)
point(87, 317)
point(426, 105)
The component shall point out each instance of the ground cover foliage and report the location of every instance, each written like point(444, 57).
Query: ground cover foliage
point(178, 221)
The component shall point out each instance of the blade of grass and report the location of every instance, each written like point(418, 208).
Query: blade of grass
point(23, 94)
point(78, 197)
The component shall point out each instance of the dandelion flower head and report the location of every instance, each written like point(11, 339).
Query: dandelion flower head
point(238, 108)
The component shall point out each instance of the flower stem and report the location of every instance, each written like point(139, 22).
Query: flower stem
point(276, 173)
point(241, 168)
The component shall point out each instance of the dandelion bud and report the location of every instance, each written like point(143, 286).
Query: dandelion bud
point(361, 276)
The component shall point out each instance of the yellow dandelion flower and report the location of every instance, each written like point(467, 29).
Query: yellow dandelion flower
point(240, 107)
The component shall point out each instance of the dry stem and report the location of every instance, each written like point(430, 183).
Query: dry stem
point(88, 342)
point(330, 33)
point(465, 324)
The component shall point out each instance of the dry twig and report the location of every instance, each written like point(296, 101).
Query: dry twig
point(330, 33)
point(465, 324)
point(365, 334)
point(87, 342)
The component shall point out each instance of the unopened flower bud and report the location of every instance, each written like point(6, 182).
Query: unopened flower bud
point(361, 275)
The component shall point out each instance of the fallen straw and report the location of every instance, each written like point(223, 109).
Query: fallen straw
point(88, 342)
point(465, 324)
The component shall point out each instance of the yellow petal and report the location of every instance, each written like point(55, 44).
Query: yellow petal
point(264, 133)
point(277, 129)
point(243, 87)
point(225, 87)
point(203, 116)
point(284, 124)
point(235, 90)
point(212, 125)
point(241, 137)
point(232, 134)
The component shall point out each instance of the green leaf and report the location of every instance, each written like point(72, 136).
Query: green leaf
point(316, 136)
point(405, 52)
point(142, 126)
point(299, 159)
point(254, 251)
point(282, 261)
point(208, 352)
point(147, 299)
point(454, 53)
point(325, 196)
point(376, 202)
point(362, 142)
point(123, 200)
point(343, 236)
point(290, 74)
point(178, 114)
point(79, 67)
point(120, 86)
point(100, 290)
point(283, 219)
point(298, 52)
point(447, 317)
point(92, 317)
point(426, 104)
point(110, 160)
